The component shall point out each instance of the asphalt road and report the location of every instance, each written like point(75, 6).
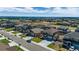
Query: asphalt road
point(29, 46)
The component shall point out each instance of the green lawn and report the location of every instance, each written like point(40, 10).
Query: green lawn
point(18, 48)
point(36, 39)
point(56, 47)
point(23, 36)
point(16, 32)
point(8, 29)
point(4, 41)
point(72, 28)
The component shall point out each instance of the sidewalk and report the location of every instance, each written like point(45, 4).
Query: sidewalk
point(12, 43)
point(43, 46)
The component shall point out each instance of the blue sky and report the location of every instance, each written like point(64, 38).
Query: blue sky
point(40, 11)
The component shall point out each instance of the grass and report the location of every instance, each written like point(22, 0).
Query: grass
point(18, 48)
point(36, 39)
point(56, 47)
point(4, 41)
point(8, 29)
point(23, 36)
point(16, 32)
point(72, 28)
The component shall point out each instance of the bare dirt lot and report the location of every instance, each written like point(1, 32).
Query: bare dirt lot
point(4, 47)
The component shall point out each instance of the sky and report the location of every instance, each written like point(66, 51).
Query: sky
point(40, 11)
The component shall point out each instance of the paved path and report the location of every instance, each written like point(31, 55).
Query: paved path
point(29, 46)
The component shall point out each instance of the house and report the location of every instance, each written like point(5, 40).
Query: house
point(37, 32)
point(77, 30)
point(50, 34)
point(71, 39)
point(73, 24)
point(24, 28)
point(7, 24)
point(45, 27)
point(65, 23)
point(51, 31)
point(63, 29)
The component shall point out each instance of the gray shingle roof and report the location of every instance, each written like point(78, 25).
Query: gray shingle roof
point(51, 31)
point(72, 36)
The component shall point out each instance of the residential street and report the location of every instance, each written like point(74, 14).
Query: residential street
point(29, 46)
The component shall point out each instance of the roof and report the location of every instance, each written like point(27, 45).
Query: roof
point(36, 30)
point(63, 27)
point(51, 31)
point(21, 25)
point(72, 36)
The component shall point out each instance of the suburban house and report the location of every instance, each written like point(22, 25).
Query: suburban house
point(65, 23)
point(73, 24)
point(71, 39)
point(77, 30)
point(37, 32)
point(63, 29)
point(24, 28)
point(51, 34)
point(7, 24)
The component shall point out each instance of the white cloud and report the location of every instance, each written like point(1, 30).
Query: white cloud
point(57, 11)
point(66, 12)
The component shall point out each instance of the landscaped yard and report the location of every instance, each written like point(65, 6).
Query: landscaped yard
point(4, 41)
point(15, 32)
point(56, 47)
point(23, 36)
point(36, 39)
point(18, 48)
point(8, 29)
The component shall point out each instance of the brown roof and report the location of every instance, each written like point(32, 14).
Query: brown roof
point(51, 31)
point(37, 30)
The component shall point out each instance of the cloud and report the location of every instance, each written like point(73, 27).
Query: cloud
point(41, 11)
point(70, 11)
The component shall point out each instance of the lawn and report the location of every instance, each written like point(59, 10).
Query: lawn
point(8, 29)
point(56, 47)
point(72, 28)
point(23, 36)
point(4, 41)
point(16, 32)
point(18, 48)
point(36, 39)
